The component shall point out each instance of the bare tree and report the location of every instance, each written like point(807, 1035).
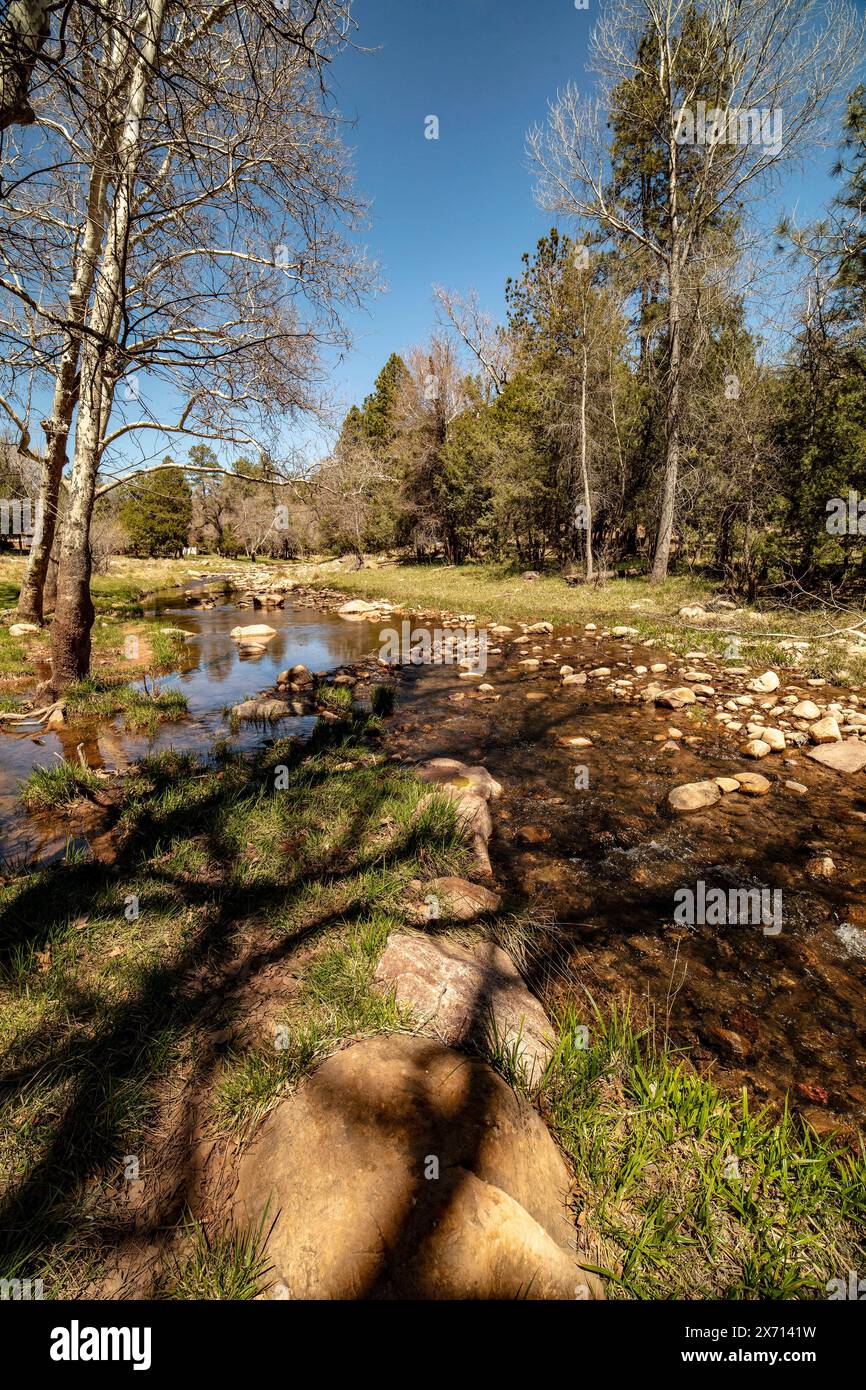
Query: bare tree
point(488, 342)
point(774, 69)
point(218, 261)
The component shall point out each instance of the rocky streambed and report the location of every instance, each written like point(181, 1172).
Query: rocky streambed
point(633, 781)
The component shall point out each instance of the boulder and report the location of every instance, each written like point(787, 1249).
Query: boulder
point(256, 633)
point(262, 710)
point(693, 796)
point(806, 709)
point(825, 731)
point(402, 1169)
point(847, 756)
point(22, 629)
point(468, 996)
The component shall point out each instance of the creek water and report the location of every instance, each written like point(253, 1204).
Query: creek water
point(599, 855)
point(216, 674)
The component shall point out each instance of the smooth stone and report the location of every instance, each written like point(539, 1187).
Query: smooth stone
point(693, 796)
point(825, 731)
point(752, 783)
point(339, 1176)
point(847, 756)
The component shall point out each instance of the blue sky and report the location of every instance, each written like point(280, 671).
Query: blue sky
point(459, 210)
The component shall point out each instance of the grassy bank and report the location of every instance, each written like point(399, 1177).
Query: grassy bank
point(232, 946)
point(122, 994)
point(495, 593)
point(692, 1194)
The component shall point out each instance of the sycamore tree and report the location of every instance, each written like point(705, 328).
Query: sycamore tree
point(205, 254)
point(728, 93)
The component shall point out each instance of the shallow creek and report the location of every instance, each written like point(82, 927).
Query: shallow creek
point(603, 861)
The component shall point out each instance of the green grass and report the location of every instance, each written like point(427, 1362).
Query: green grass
point(337, 1000)
point(225, 1266)
point(337, 698)
point(98, 698)
point(59, 784)
point(692, 1194)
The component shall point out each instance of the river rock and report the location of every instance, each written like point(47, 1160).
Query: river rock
point(452, 772)
point(262, 709)
point(847, 756)
point(775, 738)
point(360, 605)
point(693, 796)
point(755, 748)
point(806, 709)
point(257, 633)
point(675, 699)
point(295, 675)
point(468, 996)
point(22, 629)
point(825, 731)
point(766, 683)
point(752, 783)
point(458, 898)
point(821, 866)
point(727, 784)
point(402, 1169)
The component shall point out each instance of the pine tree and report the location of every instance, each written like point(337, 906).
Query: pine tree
point(157, 512)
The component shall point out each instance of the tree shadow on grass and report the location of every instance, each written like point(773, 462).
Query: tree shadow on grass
point(92, 1077)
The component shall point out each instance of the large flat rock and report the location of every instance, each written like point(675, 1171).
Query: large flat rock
point(847, 756)
point(464, 995)
point(402, 1169)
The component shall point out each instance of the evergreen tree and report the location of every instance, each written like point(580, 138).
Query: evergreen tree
point(157, 512)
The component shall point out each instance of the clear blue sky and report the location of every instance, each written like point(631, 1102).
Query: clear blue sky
point(459, 210)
